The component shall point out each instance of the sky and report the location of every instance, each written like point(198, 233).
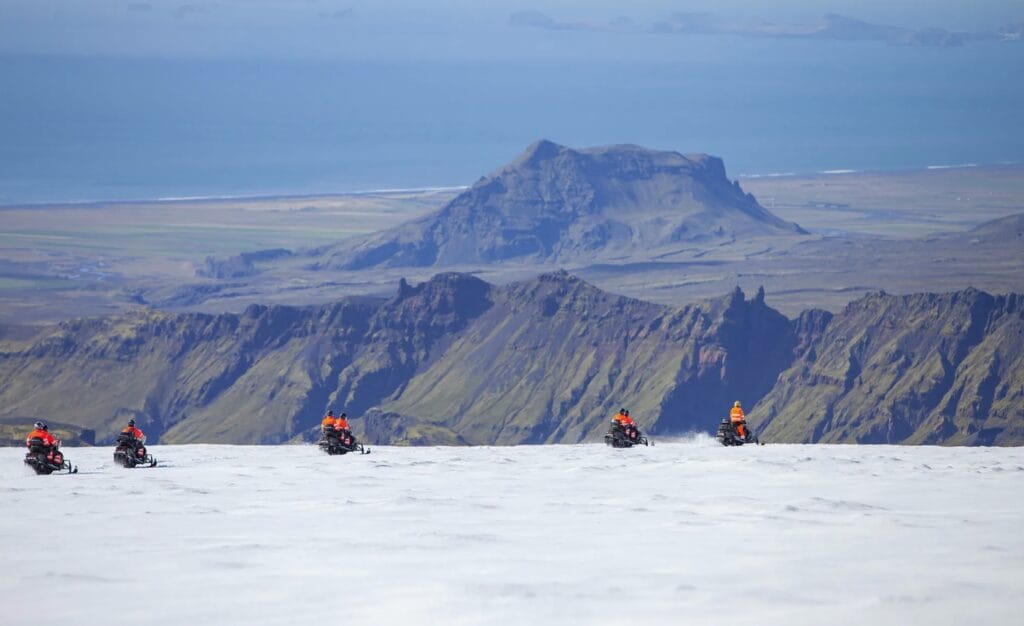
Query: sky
point(398, 28)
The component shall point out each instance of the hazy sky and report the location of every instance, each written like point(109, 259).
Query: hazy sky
point(401, 28)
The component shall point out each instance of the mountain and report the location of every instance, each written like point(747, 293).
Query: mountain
point(554, 204)
point(551, 359)
point(1009, 229)
point(452, 360)
point(455, 360)
point(924, 368)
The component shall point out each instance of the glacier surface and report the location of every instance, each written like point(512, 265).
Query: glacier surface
point(682, 532)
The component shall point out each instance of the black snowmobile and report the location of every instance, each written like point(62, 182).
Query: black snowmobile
point(46, 459)
point(727, 435)
point(620, 436)
point(131, 452)
point(340, 442)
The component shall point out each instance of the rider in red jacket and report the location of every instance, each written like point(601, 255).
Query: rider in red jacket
point(130, 429)
point(42, 431)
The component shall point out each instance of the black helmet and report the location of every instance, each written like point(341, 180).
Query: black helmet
point(131, 422)
point(330, 412)
point(624, 412)
point(40, 425)
point(343, 415)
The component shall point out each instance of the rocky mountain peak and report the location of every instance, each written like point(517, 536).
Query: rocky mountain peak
point(537, 152)
point(446, 294)
point(555, 204)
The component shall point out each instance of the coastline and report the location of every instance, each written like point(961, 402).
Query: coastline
point(227, 198)
point(443, 189)
point(880, 172)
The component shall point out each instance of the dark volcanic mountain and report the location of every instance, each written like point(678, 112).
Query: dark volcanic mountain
point(456, 360)
point(558, 205)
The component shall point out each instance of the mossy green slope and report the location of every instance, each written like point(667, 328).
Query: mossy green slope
point(455, 360)
point(554, 358)
point(923, 368)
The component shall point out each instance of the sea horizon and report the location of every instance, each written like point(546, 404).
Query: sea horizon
point(327, 193)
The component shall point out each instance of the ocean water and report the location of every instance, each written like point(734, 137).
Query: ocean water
point(87, 128)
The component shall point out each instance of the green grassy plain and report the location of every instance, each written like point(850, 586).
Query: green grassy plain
point(903, 203)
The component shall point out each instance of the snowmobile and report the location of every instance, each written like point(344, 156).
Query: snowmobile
point(46, 459)
point(727, 435)
point(624, 437)
point(340, 442)
point(131, 452)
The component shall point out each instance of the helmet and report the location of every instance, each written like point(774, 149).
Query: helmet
point(131, 422)
point(625, 412)
point(330, 412)
point(40, 425)
point(736, 404)
point(343, 415)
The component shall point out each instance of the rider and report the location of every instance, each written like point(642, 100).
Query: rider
point(132, 431)
point(738, 419)
point(328, 421)
point(42, 431)
point(623, 421)
point(341, 424)
point(337, 427)
point(136, 438)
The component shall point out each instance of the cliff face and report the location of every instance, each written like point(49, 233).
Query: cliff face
point(455, 360)
point(452, 360)
point(924, 368)
point(554, 204)
point(554, 358)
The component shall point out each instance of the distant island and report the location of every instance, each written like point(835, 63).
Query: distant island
point(831, 27)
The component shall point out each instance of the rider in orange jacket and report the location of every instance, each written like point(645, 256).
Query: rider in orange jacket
point(738, 419)
point(623, 419)
point(328, 421)
point(625, 422)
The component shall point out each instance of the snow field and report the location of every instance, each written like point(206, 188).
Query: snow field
point(684, 532)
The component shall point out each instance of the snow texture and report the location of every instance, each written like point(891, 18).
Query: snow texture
point(682, 533)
